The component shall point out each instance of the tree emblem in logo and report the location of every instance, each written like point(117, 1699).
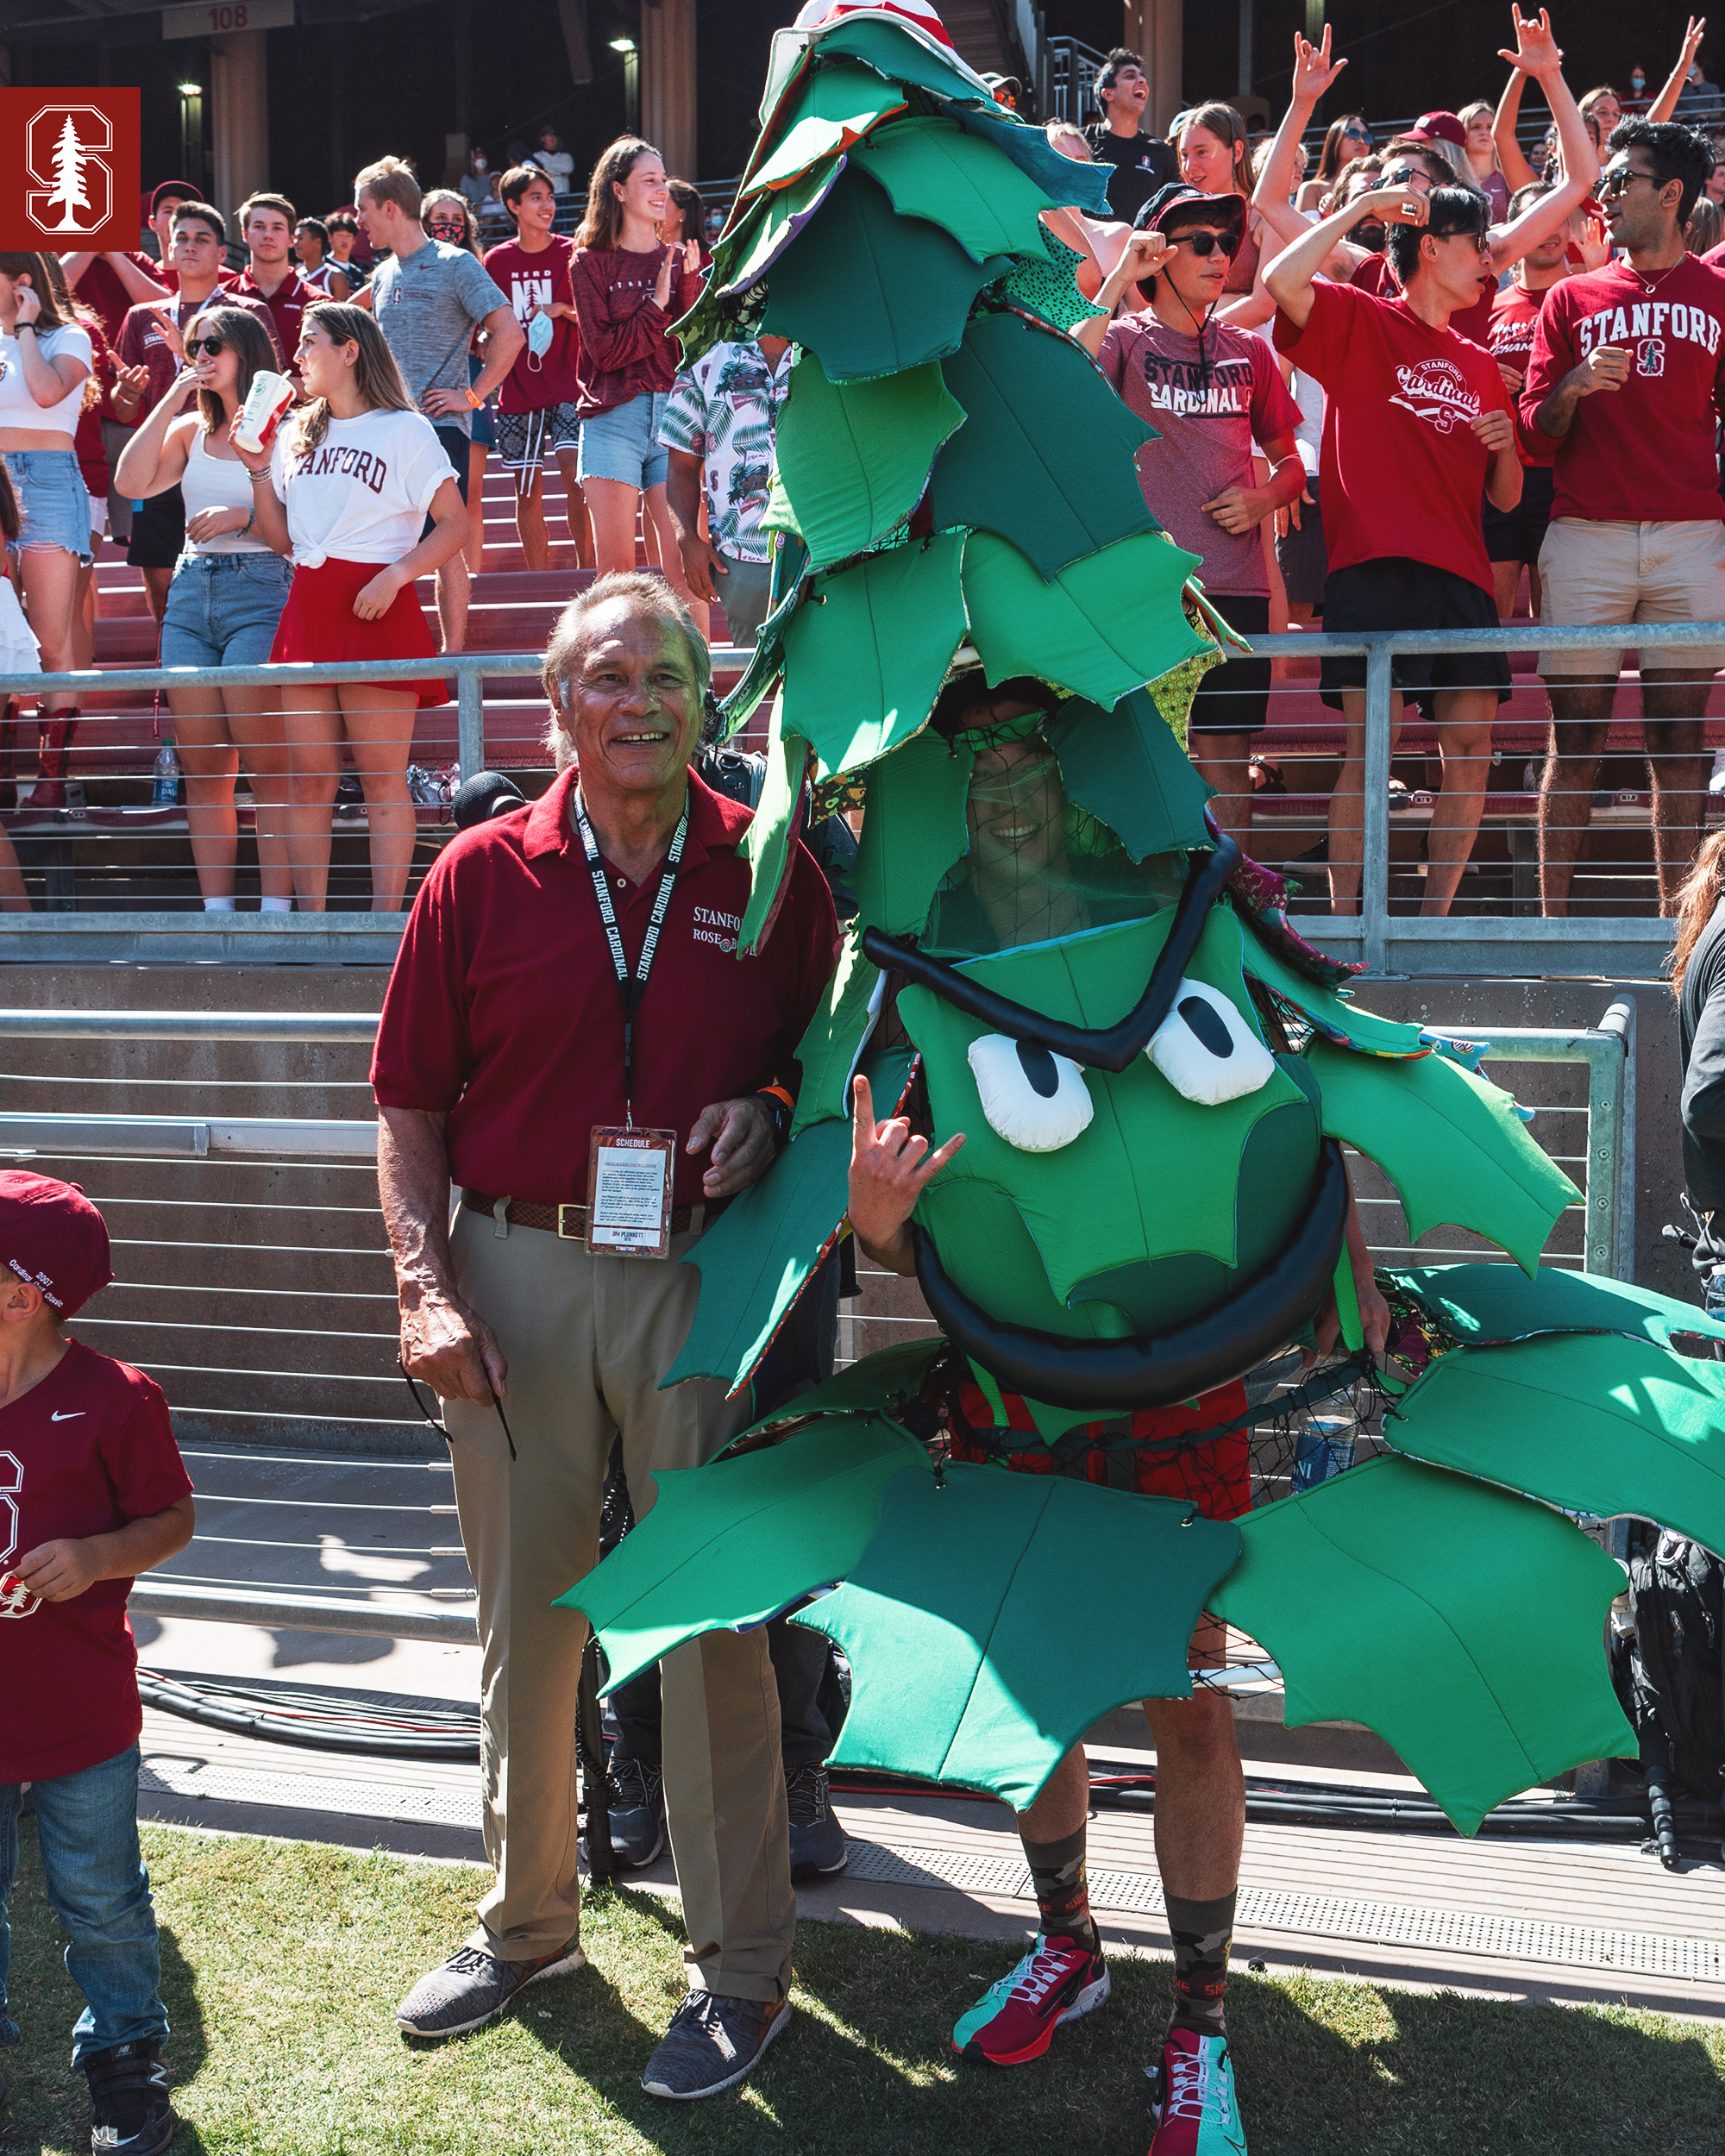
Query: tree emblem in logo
point(1650, 357)
point(64, 154)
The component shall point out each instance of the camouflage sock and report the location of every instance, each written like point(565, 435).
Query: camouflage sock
point(1063, 1896)
point(1202, 1933)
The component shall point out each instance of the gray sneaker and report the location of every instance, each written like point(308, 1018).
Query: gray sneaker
point(474, 1987)
point(712, 2044)
point(817, 1842)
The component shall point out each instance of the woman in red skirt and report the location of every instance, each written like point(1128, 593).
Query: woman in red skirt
point(359, 486)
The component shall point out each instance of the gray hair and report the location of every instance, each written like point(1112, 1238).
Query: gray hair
point(645, 593)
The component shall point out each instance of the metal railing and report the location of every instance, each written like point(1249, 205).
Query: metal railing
point(1474, 942)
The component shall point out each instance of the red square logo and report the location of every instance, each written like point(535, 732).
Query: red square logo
point(68, 170)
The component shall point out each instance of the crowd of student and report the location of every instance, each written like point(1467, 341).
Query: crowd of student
point(1385, 391)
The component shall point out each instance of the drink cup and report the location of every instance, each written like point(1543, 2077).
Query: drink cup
point(268, 397)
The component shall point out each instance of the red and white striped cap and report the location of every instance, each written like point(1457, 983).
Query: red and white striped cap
point(914, 14)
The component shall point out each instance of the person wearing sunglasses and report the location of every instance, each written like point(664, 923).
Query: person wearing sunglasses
point(1416, 426)
point(149, 350)
point(1424, 158)
point(224, 605)
point(1210, 391)
point(267, 224)
point(1626, 382)
point(1345, 140)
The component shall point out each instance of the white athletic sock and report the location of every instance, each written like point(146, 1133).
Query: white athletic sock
point(276, 906)
point(219, 906)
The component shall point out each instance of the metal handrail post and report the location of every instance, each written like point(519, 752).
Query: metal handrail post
point(1374, 884)
point(470, 723)
point(1620, 1021)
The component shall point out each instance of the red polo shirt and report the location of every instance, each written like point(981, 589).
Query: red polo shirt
point(503, 1010)
point(286, 304)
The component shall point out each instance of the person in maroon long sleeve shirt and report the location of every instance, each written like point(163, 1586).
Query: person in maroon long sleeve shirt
point(629, 289)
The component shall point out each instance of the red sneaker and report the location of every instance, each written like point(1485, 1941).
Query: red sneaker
point(1192, 2098)
point(1015, 2020)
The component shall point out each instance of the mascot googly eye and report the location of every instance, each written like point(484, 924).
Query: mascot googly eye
point(1205, 1049)
point(1033, 1099)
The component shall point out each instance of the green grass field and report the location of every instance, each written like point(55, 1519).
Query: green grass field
point(283, 1962)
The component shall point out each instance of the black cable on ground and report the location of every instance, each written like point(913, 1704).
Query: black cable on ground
point(318, 1721)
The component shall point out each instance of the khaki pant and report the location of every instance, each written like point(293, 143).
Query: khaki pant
point(586, 1339)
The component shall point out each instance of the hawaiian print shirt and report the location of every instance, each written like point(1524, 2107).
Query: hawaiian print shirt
point(724, 409)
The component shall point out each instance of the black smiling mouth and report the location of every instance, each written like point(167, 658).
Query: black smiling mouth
point(1154, 1370)
point(1102, 1048)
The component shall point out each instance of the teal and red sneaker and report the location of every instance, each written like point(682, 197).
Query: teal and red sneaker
point(1015, 2020)
point(1192, 2098)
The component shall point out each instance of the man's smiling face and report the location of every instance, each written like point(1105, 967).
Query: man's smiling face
point(633, 702)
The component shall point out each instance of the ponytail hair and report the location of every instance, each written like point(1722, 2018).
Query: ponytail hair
point(1696, 899)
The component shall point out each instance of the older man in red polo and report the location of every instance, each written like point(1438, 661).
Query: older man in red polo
point(571, 1051)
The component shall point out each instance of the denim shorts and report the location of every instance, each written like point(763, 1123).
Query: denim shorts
point(222, 609)
point(623, 444)
point(52, 501)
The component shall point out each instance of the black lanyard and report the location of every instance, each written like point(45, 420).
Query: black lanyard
point(630, 991)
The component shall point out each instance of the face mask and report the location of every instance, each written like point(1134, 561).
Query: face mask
point(539, 334)
point(479, 164)
point(1638, 83)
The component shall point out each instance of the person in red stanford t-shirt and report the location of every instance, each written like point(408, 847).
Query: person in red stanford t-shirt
point(537, 411)
point(1210, 391)
point(1624, 384)
point(92, 1491)
point(1416, 424)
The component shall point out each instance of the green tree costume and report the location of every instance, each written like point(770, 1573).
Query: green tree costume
point(1154, 1074)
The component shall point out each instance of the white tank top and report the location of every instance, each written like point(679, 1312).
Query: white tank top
point(217, 483)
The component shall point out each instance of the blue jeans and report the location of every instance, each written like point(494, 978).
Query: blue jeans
point(222, 609)
point(624, 443)
point(87, 1828)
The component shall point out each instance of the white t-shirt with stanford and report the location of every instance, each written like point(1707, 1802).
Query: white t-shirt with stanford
point(1641, 453)
point(363, 493)
point(18, 408)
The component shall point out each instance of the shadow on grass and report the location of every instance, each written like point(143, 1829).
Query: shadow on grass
point(46, 2107)
point(1324, 2068)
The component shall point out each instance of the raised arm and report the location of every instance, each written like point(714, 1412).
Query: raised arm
point(138, 287)
point(1314, 73)
point(1138, 258)
point(1665, 104)
point(47, 381)
point(155, 459)
point(1517, 172)
point(1287, 280)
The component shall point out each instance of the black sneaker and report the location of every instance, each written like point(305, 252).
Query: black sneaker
point(817, 1842)
point(474, 1987)
point(129, 2113)
point(635, 1796)
point(712, 2044)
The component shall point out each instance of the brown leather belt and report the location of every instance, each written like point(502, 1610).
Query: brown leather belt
point(570, 1221)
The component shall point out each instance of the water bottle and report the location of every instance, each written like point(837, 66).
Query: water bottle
point(1324, 1449)
point(165, 794)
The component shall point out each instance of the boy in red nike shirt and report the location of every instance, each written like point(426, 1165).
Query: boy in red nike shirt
point(1624, 387)
point(1417, 426)
point(92, 1491)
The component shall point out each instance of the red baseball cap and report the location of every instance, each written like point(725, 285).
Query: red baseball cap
point(1438, 127)
point(186, 192)
point(53, 1238)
